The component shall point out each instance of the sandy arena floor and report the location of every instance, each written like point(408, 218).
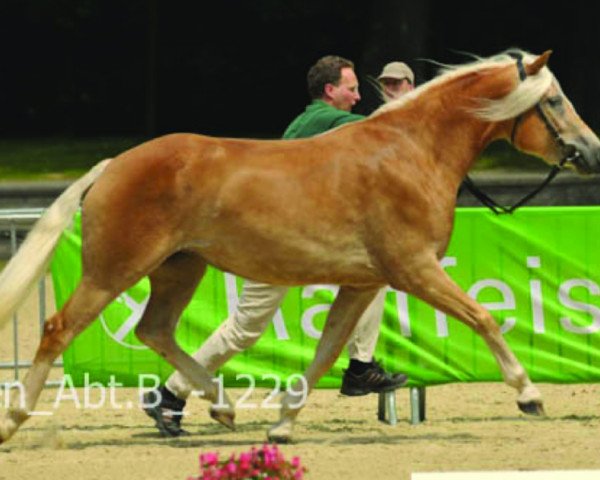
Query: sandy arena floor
point(468, 427)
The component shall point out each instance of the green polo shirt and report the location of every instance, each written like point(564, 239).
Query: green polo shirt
point(318, 118)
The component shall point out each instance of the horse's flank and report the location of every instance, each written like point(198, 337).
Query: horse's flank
point(273, 200)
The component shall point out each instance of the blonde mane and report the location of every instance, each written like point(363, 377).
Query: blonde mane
point(525, 96)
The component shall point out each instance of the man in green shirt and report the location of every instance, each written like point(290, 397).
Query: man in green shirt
point(332, 102)
point(333, 87)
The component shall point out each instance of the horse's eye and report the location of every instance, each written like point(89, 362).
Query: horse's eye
point(555, 101)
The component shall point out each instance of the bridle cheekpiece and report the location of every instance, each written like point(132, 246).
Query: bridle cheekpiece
point(569, 154)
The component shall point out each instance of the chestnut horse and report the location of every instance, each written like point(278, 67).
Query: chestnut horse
point(365, 205)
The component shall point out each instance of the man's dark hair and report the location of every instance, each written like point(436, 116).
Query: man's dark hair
point(326, 70)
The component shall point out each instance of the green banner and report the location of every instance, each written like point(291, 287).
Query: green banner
point(536, 271)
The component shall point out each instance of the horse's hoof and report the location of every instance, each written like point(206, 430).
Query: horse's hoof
point(534, 407)
point(279, 439)
point(281, 433)
point(10, 424)
point(224, 417)
point(5, 432)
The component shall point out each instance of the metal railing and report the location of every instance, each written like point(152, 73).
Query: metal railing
point(14, 225)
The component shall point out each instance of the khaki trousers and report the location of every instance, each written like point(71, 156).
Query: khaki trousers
point(257, 305)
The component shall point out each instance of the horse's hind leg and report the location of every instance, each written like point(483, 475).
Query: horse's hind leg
point(172, 287)
point(84, 306)
point(431, 284)
point(349, 305)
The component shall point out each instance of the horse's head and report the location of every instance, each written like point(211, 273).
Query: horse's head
point(550, 128)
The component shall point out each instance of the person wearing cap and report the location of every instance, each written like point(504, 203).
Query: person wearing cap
point(396, 79)
point(333, 88)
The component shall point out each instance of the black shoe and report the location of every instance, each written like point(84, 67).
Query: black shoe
point(373, 380)
point(166, 413)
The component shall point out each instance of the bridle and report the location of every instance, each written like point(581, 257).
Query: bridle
point(569, 155)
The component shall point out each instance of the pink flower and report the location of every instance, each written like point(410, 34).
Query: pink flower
point(209, 459)
point(267, 462)
point(231, 468)
point(245, 457)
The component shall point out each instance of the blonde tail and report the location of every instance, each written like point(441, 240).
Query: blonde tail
point(32, 258)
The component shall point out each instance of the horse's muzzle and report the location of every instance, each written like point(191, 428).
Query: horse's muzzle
point(584, 157)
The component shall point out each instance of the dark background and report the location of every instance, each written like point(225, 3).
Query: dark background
point(237, 68)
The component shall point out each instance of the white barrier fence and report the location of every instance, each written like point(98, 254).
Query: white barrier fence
point(14, 224)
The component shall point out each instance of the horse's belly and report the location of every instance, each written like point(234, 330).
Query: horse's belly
point(293, 264)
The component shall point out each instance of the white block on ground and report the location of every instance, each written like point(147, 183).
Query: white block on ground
point(511, 475)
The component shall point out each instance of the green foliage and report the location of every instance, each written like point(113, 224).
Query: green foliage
point(56, 158)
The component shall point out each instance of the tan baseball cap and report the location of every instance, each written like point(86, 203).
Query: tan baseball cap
point(397, 70)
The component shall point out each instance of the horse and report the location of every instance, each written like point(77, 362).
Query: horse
point(362, 206)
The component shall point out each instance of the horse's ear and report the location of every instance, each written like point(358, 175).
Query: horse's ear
point(538, 63)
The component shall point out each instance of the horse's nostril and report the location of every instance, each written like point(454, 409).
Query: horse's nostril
point(582, 162)
point(574, 155)
point(571, 151)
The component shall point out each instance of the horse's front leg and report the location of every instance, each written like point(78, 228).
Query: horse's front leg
point(429, 282)
point(347, 308)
